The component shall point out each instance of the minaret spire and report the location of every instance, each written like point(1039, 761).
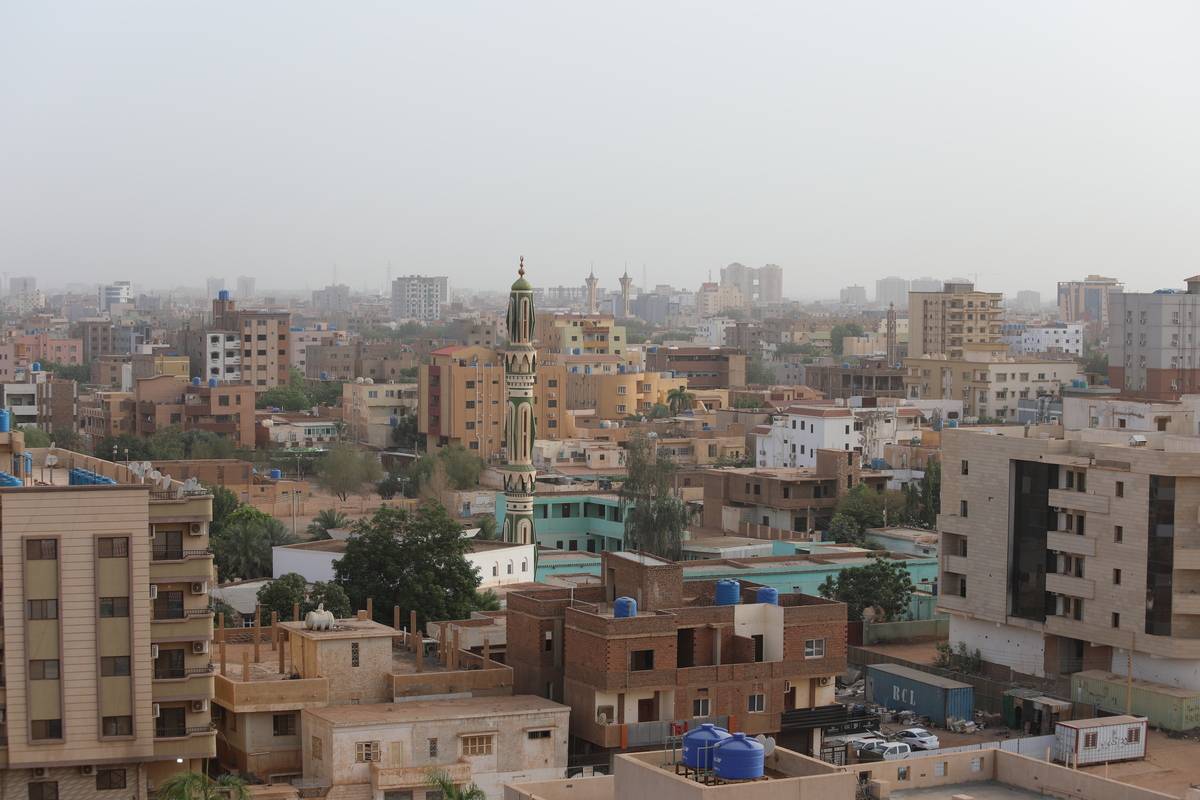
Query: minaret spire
point(520, 422)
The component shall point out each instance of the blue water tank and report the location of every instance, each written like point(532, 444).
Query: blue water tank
point(698, 745)
point(729, 592)
point(212, 383)
point(196, 381)
point(223, 294)
point(36, 366)
point(768, 595)
point(5, 421)
point(276, 474)
point(951, 423)
point(324, 376)
point(624, 607)
point(739, 759)
point(9, 480)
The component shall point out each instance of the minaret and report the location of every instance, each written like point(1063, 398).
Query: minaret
point(520, 421)
point(892, 350)
point(626, 282)
point(592, 283)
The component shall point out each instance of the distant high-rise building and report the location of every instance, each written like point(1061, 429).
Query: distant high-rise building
point(940, 323)
point(893, 291)
point(334, 298)
point(214, 285)
point(1028, 300)
point(245, 287)
point(1151, 350)
point(114, 294)
point(761, 285)
point(19, 287)
point(854, 296)
point(419, 297)
point(925, 285)
point(1087, 300)
point(265, 344)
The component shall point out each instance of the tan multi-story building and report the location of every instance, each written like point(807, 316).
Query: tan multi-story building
point(226, 409)
point(714, 299)
point(265, 341)
point(98, 337)
point(941, 323)
point(580, 334)
point(371, 410)
point(1152, 342)
point(703, 367)
point(1063, 552)
point(103, 414)
point(380, 361)
point(317, 334)
point(988, 380)
point(618, 395)
point(1087, 301)
point(45, 348)
point(107, 629)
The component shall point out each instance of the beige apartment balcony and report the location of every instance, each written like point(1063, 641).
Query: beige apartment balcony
point(193, 742)
point(1079, 501)
point(1071, 586)
point(1187, 558)
point(398, 778)
point(1062, 542)
point(195, 624)
point(170, 565)
point(1185, 603)
point(955, 564)
point(188, 687)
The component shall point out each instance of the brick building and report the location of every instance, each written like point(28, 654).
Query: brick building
point(869, 378)
point(682, 659)
point(703, 367)
point(226, 409)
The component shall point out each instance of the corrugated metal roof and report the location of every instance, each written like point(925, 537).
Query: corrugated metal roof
point(927, 678)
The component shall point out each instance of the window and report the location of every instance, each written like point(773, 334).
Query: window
point(700, 707)
point(940, 768)
point(365, 752)
point(976, 764)
point(548, 638)
point(116, 726)
point(1120, 488)
point(543, 734)
point(283, 724)
point(110, 779)
point(965, 468)
point(43, 790)
point(814, 648)
point(433, 748)
point(962, 508)
point(43, 669)
point(354, 654)
point(113, 547)
point(114, 666)
point(901, 773)
point(46, 728)
point(477, 745)
point(1116, 577)
point(111, 607)
point(1090, 739)
point(1133, 735)
point(41, 550)
point(1118, 534)
point(315, 746)
point(640, 660)
point(1116, 620)
point(755, 703)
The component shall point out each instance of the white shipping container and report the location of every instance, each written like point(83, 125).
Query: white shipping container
point(1096, 741)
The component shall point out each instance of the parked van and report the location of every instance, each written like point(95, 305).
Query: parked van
point(884, 751)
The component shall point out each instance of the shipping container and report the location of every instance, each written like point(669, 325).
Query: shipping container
point(1098, 741)
point(900, 688)
point(1166, 707)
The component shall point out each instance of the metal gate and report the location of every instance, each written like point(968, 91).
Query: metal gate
point(835, 754)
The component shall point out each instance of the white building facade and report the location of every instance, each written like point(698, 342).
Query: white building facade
point(793, 437)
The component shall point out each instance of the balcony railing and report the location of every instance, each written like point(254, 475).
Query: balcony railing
point(177, 553)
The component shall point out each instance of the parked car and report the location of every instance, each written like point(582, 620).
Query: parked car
point(884, 751)
point(859, 741)
point(918, 739)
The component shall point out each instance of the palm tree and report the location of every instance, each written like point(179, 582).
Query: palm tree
point(198, 786)
point(324, 520)
point(680, 399)
point(450, 791)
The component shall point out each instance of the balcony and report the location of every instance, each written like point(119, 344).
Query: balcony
point(1071, 586)
point(1080, 501)
point(1187, 558)
point(957, 564)
point(389, 778)
point(1070, 543)
point(188, 687)
point(192, 742)
point(194, 625)
point(269, 695)
point(1186, 603)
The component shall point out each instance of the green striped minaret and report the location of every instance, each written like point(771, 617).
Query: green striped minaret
point(520, 420)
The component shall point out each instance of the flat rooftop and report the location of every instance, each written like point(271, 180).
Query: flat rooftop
point(989, 790)
point(432, 710)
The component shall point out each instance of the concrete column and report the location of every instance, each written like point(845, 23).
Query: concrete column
point(257, 629)
point(414, 637)
point(274, 630)
point(279, 648)
point(296, 612)
point(245, 666)
point(396, 617)
point(487, 650)
point(224, 671)
point(370, 608)
point(220, 626)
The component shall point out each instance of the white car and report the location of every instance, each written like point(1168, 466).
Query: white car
point(859, 741)
point(918, 739)
point(884, 751)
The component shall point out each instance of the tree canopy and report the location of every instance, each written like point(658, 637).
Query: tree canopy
point(416, 560)
point(654, 517)
point(758, 373)
point(884, 585)
point(169, 444)
point(80, 373)
point(242, 546)
point(290, 589)
point(346, 470)
point(462, 467)
point(34, 437)
point(325, 519)
point(300, 394)
point(839, 332)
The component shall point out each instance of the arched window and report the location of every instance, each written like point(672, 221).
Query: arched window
point(524, 565)
point(510, 566)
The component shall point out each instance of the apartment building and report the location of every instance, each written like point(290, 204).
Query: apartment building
point(791, 499)
point(114, 294)
point(223, 356)
point(318, 333)
point(1153, 348)
point(867, 378)
point(265, 337)
point(299, 429)
point(942, 323)
point(580, 334)
point(702, 367)
point(420, 298)
point(106, 413)
point(42, 401)
point(346, 360)
point(759, 285)
point(797, 434)
point(107, 628)
point(685, 654)
point(988, 380)
point(620, 394)
point(226, 409)
point(333, 299)
point(1074, 551)
point(1087, 301)
point(892, 291)
point(97, 336)
point(371, 410)
point(44, 348)
point(714, 299)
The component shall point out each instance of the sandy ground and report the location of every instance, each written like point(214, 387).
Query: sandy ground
point(1171, 766)
point(917, 652)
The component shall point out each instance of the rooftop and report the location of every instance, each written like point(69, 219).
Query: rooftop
point(431, 710)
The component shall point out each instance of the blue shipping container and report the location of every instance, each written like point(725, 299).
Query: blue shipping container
point(901, 688)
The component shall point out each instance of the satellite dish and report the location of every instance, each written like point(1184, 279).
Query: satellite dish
point(768, 743)
point(191, 484)
point(51, 460)
point(155, 475)
point(164, 482)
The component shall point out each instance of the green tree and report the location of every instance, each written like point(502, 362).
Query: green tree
point(390, 486)
point(220, 607)
point(448, 790)
point(416, 560)
point(80, 373)
point(332, 596)
point(487, 600)
point(487, 528)
point(758, 373)
point(884, 585)
point(863, 505)
point(280, 594)
point(680, 399)
point(923, 500)
point(346, 470)
point(119, 448)
point(404, 434)
point(225, 502)
point(288, 398)
point(844, 529)
point(463, 467)
point(657, 411)
point(839, 332)
point(654, 517)
point(325, 519)
point(242, 548)
point(1095, 360)
point(198, 786)
point(34, 437)
point(68, 439)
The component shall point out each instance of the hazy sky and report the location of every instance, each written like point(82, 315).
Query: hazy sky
point(1023, 142)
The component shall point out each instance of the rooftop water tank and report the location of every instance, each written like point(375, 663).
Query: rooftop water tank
point(223, 294)
point(196, 381)
point(699, 744)
point(739, 759)
point(768, 595)
point(212, 383)
point(35, 366)
point(729, 592)
point(324, 376)
point(5, 421)
point(276, 474)
point(624, 607)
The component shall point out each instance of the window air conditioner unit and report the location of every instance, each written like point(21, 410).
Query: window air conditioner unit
point(199, 587)
point(195, 529)
point(153, 591)
point(200, 647)
point(40, 772)
point(87, 769)
point(823, 681)
point(153, 652)
point(157, 710)
point(199, 706)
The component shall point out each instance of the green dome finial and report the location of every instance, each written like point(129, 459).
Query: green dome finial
point(521, 284)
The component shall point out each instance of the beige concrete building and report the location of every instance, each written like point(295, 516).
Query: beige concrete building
point(580, 334)
point(107, 629)
point(1076, 551)
point(371, 410)
point(265, 341)
point(987, 379)
point(943, 322)
point(618, 395)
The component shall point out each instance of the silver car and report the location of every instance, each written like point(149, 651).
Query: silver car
point(918, 739)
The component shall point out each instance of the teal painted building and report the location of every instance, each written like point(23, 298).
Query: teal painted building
point(800, 574)
point(588, 523)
